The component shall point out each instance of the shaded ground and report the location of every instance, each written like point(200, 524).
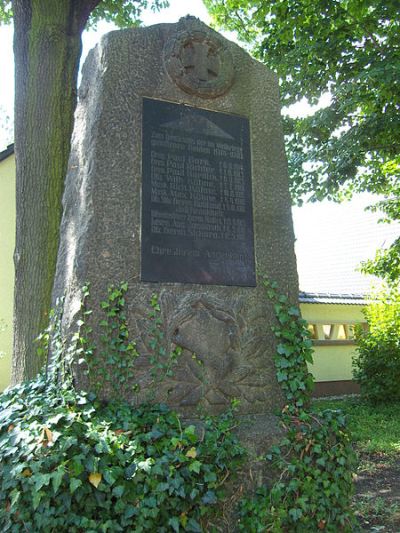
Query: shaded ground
point(377, 498)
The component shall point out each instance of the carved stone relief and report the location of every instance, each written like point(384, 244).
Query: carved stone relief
point(222, 357)
point(199, 63)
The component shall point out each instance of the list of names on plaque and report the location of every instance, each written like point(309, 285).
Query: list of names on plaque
point(197, 222)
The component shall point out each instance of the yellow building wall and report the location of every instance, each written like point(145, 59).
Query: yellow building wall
point(7, 243)
point(332, 362)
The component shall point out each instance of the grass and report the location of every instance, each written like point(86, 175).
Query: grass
point(375, 429)
point(376, 434)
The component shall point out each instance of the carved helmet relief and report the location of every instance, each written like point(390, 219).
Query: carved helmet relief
point(199, 63)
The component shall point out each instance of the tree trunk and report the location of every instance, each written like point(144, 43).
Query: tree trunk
point(47, 48)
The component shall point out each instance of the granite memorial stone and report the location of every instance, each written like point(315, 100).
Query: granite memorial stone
point(178, 184)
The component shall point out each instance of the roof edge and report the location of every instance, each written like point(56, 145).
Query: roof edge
point(328, 298)
point(7, 152)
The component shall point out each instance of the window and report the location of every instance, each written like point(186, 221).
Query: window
point(333, 333)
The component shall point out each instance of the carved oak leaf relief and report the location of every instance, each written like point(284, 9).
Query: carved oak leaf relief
point(222, 357)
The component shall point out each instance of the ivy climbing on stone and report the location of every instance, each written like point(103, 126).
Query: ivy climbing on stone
point(72, 462)
point(314, 461)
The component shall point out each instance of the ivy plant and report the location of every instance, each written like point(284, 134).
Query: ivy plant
point(110, 365)
point(315, 460)
point(70, 462)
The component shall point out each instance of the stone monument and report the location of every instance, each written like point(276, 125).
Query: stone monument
point(178, 184)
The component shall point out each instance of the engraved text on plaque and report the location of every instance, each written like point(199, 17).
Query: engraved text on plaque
point(197, 220)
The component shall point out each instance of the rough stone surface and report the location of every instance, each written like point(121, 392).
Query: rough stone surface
point(228, 328)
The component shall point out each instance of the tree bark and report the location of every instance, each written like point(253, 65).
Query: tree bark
point(47, 49)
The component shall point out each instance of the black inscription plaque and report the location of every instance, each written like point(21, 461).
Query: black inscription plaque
point(197, 217)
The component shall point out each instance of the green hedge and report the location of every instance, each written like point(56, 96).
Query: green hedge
point(377, 364)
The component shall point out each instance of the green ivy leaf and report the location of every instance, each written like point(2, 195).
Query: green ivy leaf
point(41, 480)
point(174, 523)
point(295, 514)
point(209, 498)
point(195, 467)
point(118, 491)
point(57, 477)
point(281, 376)
point(74, 484)
point(36, 497)
point(193, 526)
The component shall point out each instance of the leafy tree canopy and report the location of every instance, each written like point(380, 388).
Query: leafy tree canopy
point(350, 49)
point(123, 13)
point(5, 11)
point(386, 263)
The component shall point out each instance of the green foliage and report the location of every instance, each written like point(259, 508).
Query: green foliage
point(348, 49)
point(377, 365)
point(376, 433)
point(161, 361)
point(69, 463)
point(5, 11)
point(315, 486)
point(315, 459)
point(294, 351)
point(374, 428)
point(110, 367)
point(72, 463)
point(386, 263)
point(124, 14)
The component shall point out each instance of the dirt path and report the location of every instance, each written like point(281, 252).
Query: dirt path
point(378, 493)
